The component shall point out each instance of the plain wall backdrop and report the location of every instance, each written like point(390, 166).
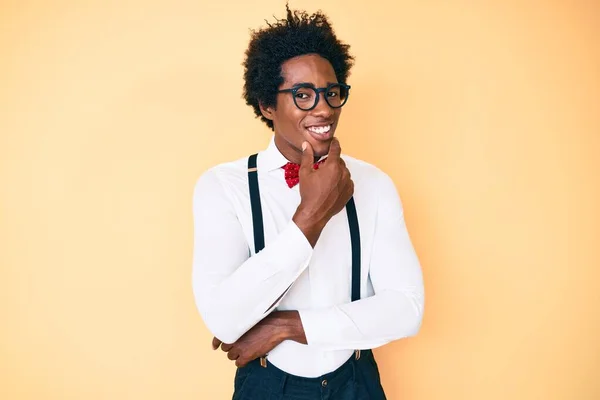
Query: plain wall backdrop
point(485, 114)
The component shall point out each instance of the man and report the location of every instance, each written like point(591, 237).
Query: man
point(302, 261)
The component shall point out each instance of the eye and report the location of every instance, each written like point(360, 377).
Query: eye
point(332, 94)
point(305, 94)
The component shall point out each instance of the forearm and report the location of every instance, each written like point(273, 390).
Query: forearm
point(364, 324)
point(232, 304)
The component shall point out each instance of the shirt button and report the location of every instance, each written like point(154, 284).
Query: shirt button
point(324, 383)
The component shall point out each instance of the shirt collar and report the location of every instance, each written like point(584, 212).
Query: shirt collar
point(271, 158)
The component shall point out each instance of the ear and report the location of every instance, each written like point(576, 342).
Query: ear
point(267, 112)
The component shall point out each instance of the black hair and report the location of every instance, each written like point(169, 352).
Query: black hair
point(298, 34)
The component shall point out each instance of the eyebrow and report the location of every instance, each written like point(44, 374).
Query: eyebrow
point(309, 84)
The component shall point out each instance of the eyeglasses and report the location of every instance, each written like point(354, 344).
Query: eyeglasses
point(306, 97)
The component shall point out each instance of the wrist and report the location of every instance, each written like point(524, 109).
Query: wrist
point(309, 223)
point(290, 326)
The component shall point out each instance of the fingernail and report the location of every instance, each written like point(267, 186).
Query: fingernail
point(304, 144)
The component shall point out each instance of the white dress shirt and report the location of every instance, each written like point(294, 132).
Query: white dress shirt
point(234, 289)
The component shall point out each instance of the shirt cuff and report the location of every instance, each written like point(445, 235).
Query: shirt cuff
point(321, 327)
point(293, 247)
point(298, 236)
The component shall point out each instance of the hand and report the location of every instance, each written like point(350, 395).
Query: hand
point(324, 192)
point(264, 337)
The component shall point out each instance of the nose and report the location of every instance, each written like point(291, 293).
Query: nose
point(322, 109)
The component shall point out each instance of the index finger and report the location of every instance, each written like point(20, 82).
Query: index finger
point(216, 343)
point(334, 149)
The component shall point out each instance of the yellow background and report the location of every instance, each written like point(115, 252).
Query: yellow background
point(485, 114)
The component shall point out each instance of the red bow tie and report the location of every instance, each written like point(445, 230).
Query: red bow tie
point(291, 172)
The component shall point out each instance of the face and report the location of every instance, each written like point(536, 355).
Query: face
point(294, 126)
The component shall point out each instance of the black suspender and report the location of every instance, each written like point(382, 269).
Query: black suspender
point(257, 219)
point(259, 233)
point(355, 241)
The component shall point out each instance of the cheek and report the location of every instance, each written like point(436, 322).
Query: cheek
point(289, 118)
point(288, 115)
point(296, 118)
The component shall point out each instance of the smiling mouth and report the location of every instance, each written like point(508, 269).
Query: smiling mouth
point(320, 130)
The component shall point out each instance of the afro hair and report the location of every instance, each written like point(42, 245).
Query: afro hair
point(298, 34)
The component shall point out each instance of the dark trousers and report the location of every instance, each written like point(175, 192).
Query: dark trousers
point(354, 380)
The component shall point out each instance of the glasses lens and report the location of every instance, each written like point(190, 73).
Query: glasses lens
point(305, 98)
point(336, 95)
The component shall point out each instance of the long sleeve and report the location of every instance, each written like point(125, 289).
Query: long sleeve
point(232, 290)
point(396, 309)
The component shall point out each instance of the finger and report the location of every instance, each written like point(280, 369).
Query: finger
point(216, 343)
point(348, 189)
point(241, 362)
point(233, 355)
point(226, 347)
point(345, 179)
point(345, 173)
point(334, 149)
point(308, 156)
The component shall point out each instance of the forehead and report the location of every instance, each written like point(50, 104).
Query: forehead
point(309, 68)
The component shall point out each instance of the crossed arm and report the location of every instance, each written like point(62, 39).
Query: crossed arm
point(237, 294)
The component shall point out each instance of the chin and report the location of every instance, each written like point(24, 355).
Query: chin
point(320, 147)
point(323, 149)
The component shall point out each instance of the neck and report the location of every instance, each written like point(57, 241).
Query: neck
point(290, 152)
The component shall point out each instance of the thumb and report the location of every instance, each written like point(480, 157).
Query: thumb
point(307, 156)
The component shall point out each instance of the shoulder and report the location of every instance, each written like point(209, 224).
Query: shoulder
point(220, 177)
point(372, 186)
point(366, 174)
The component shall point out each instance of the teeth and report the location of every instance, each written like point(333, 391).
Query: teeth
point(320, 129)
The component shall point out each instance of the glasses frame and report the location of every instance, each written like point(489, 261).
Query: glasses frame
point(294, 91)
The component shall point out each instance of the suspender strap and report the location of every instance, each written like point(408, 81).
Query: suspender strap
point(257, 219)
point(259, 234)
point(355, 240)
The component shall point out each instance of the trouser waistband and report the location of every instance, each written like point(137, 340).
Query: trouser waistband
point(330, 381)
